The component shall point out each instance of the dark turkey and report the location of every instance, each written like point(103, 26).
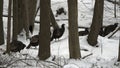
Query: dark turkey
point(110, 28)
point(16, 46)
point(60, 11)
point(58, 32)
point(83, 33)
point(34, 41)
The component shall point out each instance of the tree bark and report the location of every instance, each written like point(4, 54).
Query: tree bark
point(15, 19)
point(1, 23)
point(115, 8)
point(119, 51)
point(32, 10)
point(96, 22)
point(20, 16)
point(74, 47)
point(26, 17)
point(53, 21)
point(44, 35)
point(9, 28)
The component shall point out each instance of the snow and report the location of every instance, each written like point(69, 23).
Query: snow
point(103, 56)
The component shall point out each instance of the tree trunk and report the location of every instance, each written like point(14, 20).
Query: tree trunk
point(9, 27)
point(20, 16)
point(32, 10)
point(26, 17)
point(53, 21)
point(15, 19)
point(119, 51)
point(44, 35)
point(96, 22)
point(115, 9)
point(52, 18)
point(74, 47)
point(1, 23)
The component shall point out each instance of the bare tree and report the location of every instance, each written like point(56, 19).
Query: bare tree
point(96, 22)
point(115, 9)
point(26, 17)
point(1, 23)
point(74, 47)
point(23, 18)
point(20, 16)
point(32, 10)
point(15, 19)
point(119, 51)
point(44, 35)
point(9, 28)
point(53, 21)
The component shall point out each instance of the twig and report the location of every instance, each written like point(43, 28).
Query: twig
point(53, 63)
point(87, 55)
point(44, 61)
point(61, 19)
point(114, 2)
point(114, 32)
point(16, 61)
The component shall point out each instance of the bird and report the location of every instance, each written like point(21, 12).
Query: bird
point(16, 46)
point(110, 28)
point(60, 11)
point(83, 33)
point(58, 32)
point(34, 41)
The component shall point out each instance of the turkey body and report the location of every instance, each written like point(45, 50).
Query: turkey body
point(58, 32)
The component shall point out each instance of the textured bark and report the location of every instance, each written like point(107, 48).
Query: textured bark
point(74, 47)
point(1, 23)
point(44, 36)
point(25, 17)
point(53, 21)
point(96, 22)
point(15, 19)
point(20, 16)
point(9, 27)
point(32, 10)
point(115, 8)
point(119, 51)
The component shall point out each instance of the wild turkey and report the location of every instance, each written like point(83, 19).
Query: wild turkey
point(110, 28)
point(57, 33)
point(83, 33)
point(16, 46)
point(34, 41)
point(60, 11)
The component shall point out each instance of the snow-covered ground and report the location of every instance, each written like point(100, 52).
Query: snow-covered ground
point(104, 56)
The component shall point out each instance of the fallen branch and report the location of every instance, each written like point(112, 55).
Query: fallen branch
point(87, 55)
point(53, 63)
point(44, 61)
point(16, 61)
point(114, 2)
point(61, 19)
point(114, 32)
